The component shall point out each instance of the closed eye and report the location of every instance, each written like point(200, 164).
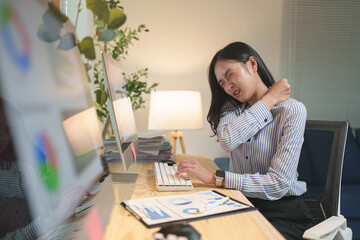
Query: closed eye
point(229, 75)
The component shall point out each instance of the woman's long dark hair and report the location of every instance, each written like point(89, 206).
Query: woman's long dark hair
point(240, 52)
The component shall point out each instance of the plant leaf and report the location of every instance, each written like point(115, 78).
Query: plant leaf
point(99, 8)
point(51, 21)
point(107, 35)
point(87, 48)
point(101, 97)
point(117, 18)
point(67, 42)
point(48, 35)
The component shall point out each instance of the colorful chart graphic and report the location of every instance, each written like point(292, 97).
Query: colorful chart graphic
point(156, 215)
point(206, 193)
point(211, 196)
point(14, 36)
point(190, 210)
point(212, 200)
point(179, 201)
point(47, 162)
point(230, 203)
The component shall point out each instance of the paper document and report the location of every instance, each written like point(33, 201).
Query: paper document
point(155, 211)
point(151, 134)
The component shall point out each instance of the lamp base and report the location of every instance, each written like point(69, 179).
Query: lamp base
point(174, 136)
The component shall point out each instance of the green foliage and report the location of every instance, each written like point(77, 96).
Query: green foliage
point(100, 93)
point(99, 8)
point(87, 48)
point(109, 16)
point(121, 45)
point(117, 47)
point(117, 18)
point(116, 41)
point(135, 87)
point(114, 4)
point(67, 41)
point(105, 35)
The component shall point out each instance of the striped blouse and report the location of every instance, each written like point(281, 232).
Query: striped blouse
point(15, 218)
point(265, 148)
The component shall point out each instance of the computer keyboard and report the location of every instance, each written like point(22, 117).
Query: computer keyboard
point(167, 180)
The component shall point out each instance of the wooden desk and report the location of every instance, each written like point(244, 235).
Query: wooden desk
point(122, 225)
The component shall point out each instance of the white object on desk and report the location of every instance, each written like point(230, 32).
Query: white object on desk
point(212, 205)
point(167, 180)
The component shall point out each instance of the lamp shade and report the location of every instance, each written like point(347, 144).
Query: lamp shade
point(175, 110)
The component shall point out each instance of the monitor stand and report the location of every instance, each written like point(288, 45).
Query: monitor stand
point(125, 177)
point(122, 177)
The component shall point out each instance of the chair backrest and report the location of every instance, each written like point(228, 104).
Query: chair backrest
point(320, 166)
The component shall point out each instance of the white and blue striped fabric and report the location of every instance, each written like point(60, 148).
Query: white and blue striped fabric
point(265, 147)
point(14, 210)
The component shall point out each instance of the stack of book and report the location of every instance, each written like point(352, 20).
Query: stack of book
point(111, 150)
point(154, 147)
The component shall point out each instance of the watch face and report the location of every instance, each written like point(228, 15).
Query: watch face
point(220, 173)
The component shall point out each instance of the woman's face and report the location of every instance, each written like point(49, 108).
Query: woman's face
point(238, 79)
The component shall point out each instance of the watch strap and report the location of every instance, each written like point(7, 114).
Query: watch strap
point(219, 177)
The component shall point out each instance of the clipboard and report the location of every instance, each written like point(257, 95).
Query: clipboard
point(163, 210)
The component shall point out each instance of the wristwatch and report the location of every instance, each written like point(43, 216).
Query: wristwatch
point(219, 177)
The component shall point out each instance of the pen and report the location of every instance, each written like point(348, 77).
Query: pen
point(212, 205)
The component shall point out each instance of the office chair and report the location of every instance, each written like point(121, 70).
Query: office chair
point(320, 166)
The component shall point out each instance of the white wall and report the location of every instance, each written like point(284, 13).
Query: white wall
point(184, 35)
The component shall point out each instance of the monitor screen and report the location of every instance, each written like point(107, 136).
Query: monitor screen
point(53, 125)
point(120, 109)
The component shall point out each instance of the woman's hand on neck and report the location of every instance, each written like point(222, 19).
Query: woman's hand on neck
point(278, 93)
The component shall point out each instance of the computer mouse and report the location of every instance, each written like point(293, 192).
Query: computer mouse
point(178, 229)
point(169, 162)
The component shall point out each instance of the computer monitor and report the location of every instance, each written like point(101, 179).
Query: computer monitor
point(54, 127)
point(120, 109)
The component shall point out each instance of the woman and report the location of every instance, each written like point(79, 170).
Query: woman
point(263, 128)
point(15, 218)
point(16, 221)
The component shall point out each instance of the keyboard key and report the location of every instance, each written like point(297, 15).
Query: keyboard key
point(164, 176)
point(158, 177)
point(175, 177)
point(168, 174)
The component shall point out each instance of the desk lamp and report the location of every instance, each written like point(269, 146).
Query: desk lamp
point(175, 110)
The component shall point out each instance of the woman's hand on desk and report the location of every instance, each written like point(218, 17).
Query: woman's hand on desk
point(193, 166)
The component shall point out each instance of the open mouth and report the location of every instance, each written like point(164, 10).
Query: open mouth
point(236, 92)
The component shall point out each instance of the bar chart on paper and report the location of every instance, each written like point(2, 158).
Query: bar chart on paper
point(156, 214)
point(158, 210)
